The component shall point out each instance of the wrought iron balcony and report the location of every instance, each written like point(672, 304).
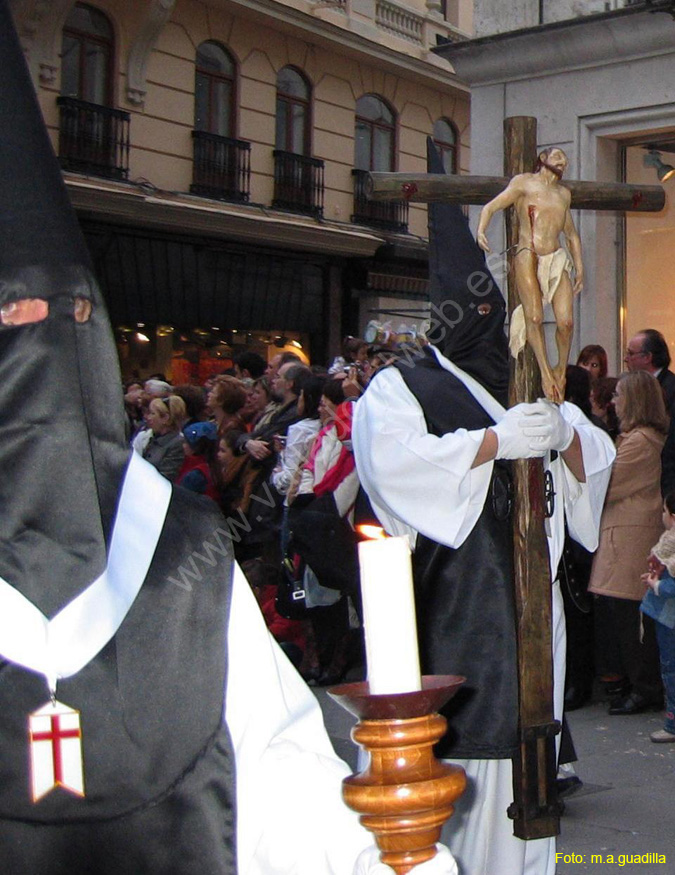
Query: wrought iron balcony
point(221, 168)
point(93, 139)
point(298, 183)
point(388, 215)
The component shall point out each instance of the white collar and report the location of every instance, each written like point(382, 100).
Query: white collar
point(60, 647)
point(480, 393)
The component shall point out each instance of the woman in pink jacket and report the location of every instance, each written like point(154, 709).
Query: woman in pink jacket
point(630, 525)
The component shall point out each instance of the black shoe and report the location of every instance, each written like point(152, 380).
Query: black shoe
point(617, 689)
point(567, 786)
point(634, 703)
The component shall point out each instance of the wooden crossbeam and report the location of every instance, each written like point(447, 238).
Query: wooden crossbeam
point(430, 188)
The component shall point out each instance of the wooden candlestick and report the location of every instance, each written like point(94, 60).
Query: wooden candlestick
point(404, 795)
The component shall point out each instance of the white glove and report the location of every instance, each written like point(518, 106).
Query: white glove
point(549, 431)
point(514, 442)
point(368, 863)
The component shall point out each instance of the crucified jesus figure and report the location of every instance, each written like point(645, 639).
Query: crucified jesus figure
point(542, 267)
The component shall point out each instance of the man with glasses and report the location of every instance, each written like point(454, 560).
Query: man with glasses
point(648, 351)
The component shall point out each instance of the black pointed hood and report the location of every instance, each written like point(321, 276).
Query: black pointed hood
point(62, 445)
point(468, 308)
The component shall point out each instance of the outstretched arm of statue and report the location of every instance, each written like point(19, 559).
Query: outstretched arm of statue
point(574, 246)
point(504, 199)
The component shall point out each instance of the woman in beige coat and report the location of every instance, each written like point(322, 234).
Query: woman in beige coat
point(630, 525)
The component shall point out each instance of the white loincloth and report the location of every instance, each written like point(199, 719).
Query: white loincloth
point(550, 269)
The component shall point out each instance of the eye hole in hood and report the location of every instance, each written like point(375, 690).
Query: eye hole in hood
point(82, 310)
point(24, 311)
point(27, 311)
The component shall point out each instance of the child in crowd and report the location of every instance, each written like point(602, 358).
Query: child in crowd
point(659, 603)
point(200, 469)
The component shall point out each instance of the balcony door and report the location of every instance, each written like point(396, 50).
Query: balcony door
point(93, 135)
point(87, 56)
point(374, 149)
point(292, 115)
point(298, 178)
point(445, 138)
point(221, 167)
point(214, 90)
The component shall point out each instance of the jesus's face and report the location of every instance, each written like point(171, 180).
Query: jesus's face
point(555, 161)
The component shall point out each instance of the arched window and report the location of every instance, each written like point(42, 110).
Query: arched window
point(87, 56)
point(214, 90)
point(445, 138)
point(374, 135)
point(293, 105)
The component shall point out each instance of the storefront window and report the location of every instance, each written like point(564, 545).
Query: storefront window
point(196, 355)
point(650, 272)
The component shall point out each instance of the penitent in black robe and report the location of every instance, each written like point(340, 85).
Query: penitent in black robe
point(464, 597)
point(158, 761)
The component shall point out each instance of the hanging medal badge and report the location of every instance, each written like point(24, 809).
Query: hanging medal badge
point(55, 750)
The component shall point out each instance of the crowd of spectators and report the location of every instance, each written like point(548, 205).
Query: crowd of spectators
point(270, 443)
point(611, 635)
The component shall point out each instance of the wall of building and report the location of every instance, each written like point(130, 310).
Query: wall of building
point(496, 16)
point(346, 49)
point(161, 128)
point(493, 16)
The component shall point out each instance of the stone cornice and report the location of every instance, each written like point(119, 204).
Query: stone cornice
point(309, 25)
point(117, 202)
point(592, 41)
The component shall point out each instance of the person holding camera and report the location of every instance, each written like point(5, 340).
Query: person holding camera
point(261, 537)
point(293, 450)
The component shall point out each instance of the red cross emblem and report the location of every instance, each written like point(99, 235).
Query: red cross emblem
point(56, 750)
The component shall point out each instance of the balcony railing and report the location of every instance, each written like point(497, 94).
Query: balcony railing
point(388, 215)
point(298, 183)
point(93, 139)
point(221, 168)
point(399, 21)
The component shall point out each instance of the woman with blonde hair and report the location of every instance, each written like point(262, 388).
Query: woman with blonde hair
point(165, 417)
point(630, 525)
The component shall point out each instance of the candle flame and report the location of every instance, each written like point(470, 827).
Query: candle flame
point(374, 533)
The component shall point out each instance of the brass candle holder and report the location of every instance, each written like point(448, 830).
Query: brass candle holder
point(404, 795)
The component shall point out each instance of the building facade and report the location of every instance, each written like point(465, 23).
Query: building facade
point(597, 77)
point(215, 152)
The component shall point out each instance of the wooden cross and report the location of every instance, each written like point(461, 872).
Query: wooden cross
point(535, 810)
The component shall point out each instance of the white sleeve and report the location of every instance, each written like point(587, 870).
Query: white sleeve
point(291, 819)
point(416, 481)
point(583, 502)
point(290, 458)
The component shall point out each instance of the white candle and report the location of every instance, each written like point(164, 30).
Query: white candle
point(389, 621)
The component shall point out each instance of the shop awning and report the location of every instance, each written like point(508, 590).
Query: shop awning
point(190, 282)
